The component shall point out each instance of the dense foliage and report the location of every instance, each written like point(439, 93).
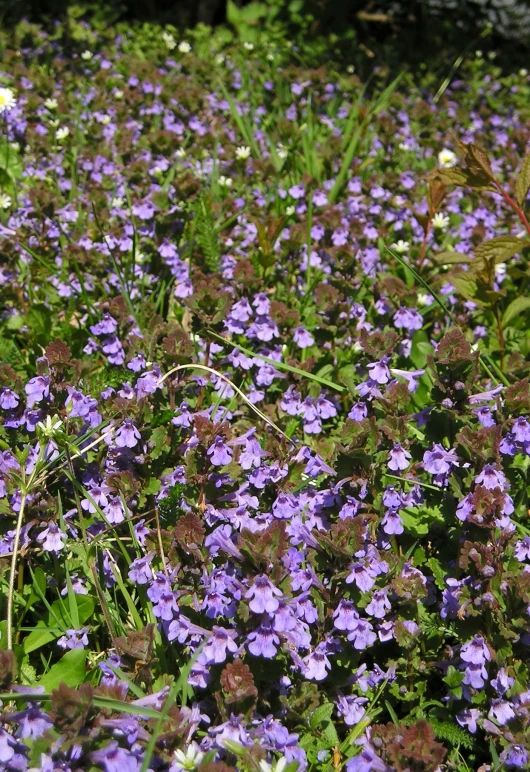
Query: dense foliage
point(264, 411)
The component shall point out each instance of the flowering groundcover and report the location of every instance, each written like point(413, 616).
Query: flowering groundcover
point(264, 411)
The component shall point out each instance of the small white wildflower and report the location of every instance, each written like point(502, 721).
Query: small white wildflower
point(104, 119)
point(248, 46)
point(500, 271)
point(281, 150)
point(86, 55)
point(184, 47)
point(188, 759)
point(62, 133)
point(350, 68)
point(277, 766)
point(117, 202)
point(181, 153)
point(54, 122)
point(523, 72)
point(169, 40)
point(478, 54)
point(492, 55)
point(15, 146)
point(440, 221)
point(289, 211)
point(400, 246)
point(219, 59)
point(51, 427)
point(446, 158)
point(51, 104)
point(118, 94)
point(357, 348)
point(271, 57)
point(225, 182)
point(5, 201)
point(424, 299)
point(7, 99)
point(242, 153)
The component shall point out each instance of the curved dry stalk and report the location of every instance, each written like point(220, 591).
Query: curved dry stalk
point(236, 389)
point(12, 571)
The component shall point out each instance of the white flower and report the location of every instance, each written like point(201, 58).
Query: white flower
point(350, 68)
point(118, 94)
point(279, 766)
point(271, 57)
point(440, 221)
point(500, 271)
point(184, 47)
point(51, 427)
point(15, 146)
point(181, 153)
point(424, 299)
point(62, 133)
point(401, 247)
point(225, 182)
point(248, 46)
point(7, 99)
point(51, 104)
point(189, 759)
point(5, 201)
point(242, 153)
point(86, 55)
point(447, 158)
point(281, 150)
point(523, 72)
point(104, 119)
point(169, 40)
point(219, 59)
point(289, 211)
point(117, 202)
point(478, 54)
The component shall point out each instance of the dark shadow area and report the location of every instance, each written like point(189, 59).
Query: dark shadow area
point(408, 31)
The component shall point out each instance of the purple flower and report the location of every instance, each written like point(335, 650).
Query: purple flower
point(262, 593)
point(438, 460)
point(115, 759)
point(74, 639)
point(302, 337)
point(8, 399)
point(491, 478)
point(475, 676)
point(31, 723)
point(398, 458)
point(351, 709)
point(127, 436)
point(317, 664)
point(514, 756)
point(263, 641)
point(220, 454)
point(520, 429)
point(37, 389)
point(52, 538)
point(379, 371)
point(475, 651)
point(362, 636)
point(468, 719)
point(379, 604)
point(221, 641)
point(501, 711)
point(362, 576)
point(408, 319)
point(392, 524)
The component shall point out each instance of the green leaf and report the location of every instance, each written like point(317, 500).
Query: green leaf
point(57, 622)
point(516, 307)
point(500, 248)
point(71, 669)
point(522, 183)
point(10, 161)
point(321, 714)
